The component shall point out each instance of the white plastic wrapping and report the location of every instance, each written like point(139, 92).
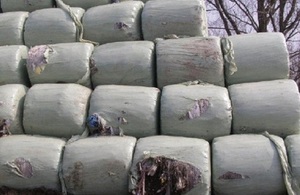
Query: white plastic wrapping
point(50, 26)
point(58, 110)
point(188, 150)
point(63, 63)
point(185, 18)
point(131, 108)
point(246, 164)
point(98, 165)
point(114, 22)
point(272, 106)
point(12, 65)
point(29, 162)
point(86, 4)
point(12, 28)
point(124, 63)
point(11, 106)
point(25, 5)
point(202, 111)
point(258, 57)
point(188, 59)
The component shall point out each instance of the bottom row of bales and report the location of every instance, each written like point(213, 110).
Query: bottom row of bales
point(192, 109)
point(235, 164)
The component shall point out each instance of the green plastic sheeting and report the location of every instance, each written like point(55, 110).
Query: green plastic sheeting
point(124, 63)
point(165, 17)
point(272, 106)
point(25, 5)
point(11, 106)
point(12, 28)
point(202, 111)
point(12, 65)
point(58, 110)
point(113, 23)
point(64, 63)
point(50, 26)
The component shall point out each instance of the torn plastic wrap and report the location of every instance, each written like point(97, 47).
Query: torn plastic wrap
point(170, 165)
point(114, 22)
point(12, 28)
point(12, 65)
point(188, 59)
point(25, 5)
point(11, 107)
point(272, 106)
point(161, 18)
point(98, 165)
point(60, 63)
point(50, 26)
point(58, 110)
point(125, 63)
point(292, 143)
point(258, 57)
point(29, 162)
point(86, 4)
point(201, 110)
point(134, 109)
point(247, 164)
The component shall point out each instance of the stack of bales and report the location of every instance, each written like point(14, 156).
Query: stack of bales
point(175, 94)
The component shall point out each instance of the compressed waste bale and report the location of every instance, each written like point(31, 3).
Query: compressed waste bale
point(292, 143)
point(98, 165)
point(29, 162)
point(50, 26)
point(272, 106)
point(12, 28)
point(202, 111)
point(12, 65)
point(86, 4)
point(178, 152)
point(11, 107)
point(134, 109)
point(186, 59)
point(162, 18)
point(246, 164)
point(113, 23)
point(255, 57)
point(25, 5)
point(124, 63)
point(57, 110)
point(63, 63)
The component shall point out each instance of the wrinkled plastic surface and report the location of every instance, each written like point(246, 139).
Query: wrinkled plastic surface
point(25, 5)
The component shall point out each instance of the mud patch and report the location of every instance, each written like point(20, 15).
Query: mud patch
point(231, 175)
point(75, 178)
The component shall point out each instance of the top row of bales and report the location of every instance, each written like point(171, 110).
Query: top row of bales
point(125, 21)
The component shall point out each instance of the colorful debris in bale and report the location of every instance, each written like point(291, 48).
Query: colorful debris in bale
point(4, 127)
point(165, 176)
point(99, 127)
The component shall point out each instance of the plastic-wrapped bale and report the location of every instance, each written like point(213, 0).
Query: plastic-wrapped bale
point(247, 164)
point(98, 165)
point(30, 162)
point(50, 26)
point(175, 163)
point(60, 63)
point(56, 110)
point(86, 4)
point(12, 65)
point(124, 63)
point(201, 110)
point(255, 57)
point(114, 22)
point(133, 109)
point(292, 143)
point(162, 18)
point(27, 5)
point(12, 28)
point(272, 106)
point(186, 59)
point(11, 108)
